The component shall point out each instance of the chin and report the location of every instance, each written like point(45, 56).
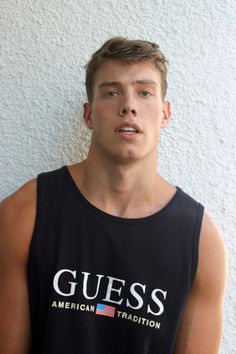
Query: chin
point(127, 158)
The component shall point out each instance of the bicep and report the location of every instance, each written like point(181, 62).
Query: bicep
point(15, 323)
point(17, 214)
point(200, 330)
point(201, 327)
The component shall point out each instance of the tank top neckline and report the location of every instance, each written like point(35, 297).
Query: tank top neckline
point(120, 219)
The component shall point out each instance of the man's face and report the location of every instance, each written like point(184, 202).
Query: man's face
point(127, 111)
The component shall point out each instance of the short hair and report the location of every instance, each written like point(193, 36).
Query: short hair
point(129, 51)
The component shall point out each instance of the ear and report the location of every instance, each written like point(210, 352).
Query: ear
point(166, 114)
point(87, 115)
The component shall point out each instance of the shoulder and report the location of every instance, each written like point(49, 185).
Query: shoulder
point(212, 264)
point(210, 235)
point(19, 204)
point(17, 217)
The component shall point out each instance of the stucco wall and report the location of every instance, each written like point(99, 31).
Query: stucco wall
point(43, 48)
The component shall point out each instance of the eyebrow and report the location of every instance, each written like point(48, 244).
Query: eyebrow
point(118, 83)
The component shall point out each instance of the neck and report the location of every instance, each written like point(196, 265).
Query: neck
point(126, 190)
point(120, 178)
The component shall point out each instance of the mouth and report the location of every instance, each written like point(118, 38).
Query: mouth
point(128, 129)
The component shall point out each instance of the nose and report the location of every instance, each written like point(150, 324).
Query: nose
point(125, 110)
point(128, 107)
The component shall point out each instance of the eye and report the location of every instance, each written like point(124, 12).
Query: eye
point(111, 93)
point(145, 93)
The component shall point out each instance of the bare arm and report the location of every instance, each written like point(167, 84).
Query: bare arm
point(17, 214)
point(200, 330)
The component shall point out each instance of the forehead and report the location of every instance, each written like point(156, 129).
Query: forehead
point(125, 73)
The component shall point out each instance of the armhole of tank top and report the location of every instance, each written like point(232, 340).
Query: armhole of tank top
point(37, 213)
point(195, 245)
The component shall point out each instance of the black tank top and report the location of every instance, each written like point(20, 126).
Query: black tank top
point(101, 284)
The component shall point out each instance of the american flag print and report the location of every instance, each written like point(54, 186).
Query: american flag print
point(105, 310)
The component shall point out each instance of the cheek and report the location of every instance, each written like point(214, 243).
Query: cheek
point(152, 107)
point(102, 110)
point(101, 118)
point(153, 116)
point(153, 125)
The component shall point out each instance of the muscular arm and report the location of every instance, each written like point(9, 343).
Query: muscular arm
point(17, 214)
point(200, 330)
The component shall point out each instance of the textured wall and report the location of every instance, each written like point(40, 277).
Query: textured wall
point(44, 46)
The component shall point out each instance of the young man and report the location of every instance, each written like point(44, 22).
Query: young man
point(105, 256)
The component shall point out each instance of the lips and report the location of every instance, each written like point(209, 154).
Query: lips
point(128, 128)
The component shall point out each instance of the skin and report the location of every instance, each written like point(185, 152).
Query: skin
point(119, 176)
